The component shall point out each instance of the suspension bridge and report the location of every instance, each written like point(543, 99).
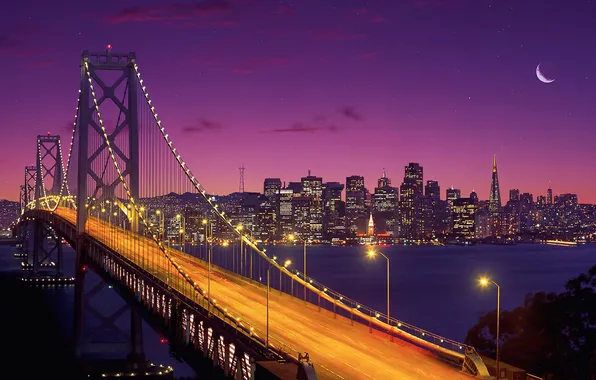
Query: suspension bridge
point(120, 161)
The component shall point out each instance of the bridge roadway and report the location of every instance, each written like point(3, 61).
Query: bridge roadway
point(337, 348)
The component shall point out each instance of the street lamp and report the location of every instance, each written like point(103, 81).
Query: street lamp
point(292, 237)
point(484, 282)
point(287, 263)
point(239, 228)
point(372, 253)
point(204, 222)
point(181, 239)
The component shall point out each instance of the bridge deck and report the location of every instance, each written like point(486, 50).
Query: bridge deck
point(338, 349)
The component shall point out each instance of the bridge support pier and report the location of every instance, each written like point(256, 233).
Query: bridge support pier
point(47, 247)
point(107, 337)
point(45, 267)
point(24, 236)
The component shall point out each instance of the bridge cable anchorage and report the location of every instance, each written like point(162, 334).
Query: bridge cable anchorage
point(395, 324)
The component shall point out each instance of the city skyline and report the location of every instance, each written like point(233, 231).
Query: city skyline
point(341, 84)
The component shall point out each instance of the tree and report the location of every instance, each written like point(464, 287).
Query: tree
point(553, 335)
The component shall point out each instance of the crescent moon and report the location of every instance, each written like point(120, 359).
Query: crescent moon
point(541, 77)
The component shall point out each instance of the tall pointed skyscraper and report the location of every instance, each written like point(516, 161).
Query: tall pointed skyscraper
point(494, 202)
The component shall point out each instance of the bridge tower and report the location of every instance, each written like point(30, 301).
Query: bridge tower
point(22, 199)
point(47, 245)
point(115, 85)
point(49, 165)
point(30, 181)
point(27, 196)
point(124, 138)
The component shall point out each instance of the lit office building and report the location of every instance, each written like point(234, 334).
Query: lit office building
point(385, 201)
point(410, 191)
point(301, 217)
point(312, 187)
point(334, 220)
point(464, 215)
point(356, 213)
point(286, 215)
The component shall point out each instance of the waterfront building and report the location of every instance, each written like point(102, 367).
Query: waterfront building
point(356, 212)
point(410, 191)
point(464, 214)
point(334, 220)
point(385, 201)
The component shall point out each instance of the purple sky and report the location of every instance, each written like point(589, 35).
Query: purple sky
point(341, 87)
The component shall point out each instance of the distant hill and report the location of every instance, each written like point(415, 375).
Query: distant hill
point(9, 211)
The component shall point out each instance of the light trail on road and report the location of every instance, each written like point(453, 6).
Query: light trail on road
point(338, 349)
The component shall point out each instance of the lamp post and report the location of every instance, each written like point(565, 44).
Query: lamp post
point(182, 226)
point(287, 263)
point(372, 253)
point(181, 231)
point(161, 225)
point(239, 228)
point(292, 237)
point(484, 282)
point(208, 230)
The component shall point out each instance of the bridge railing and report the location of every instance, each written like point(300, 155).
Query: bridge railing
point(380, 320)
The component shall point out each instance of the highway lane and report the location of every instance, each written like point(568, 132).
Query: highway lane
point(338, 349)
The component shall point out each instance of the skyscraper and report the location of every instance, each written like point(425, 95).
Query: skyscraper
point(271, 187)
point(429, 216)
point(464, 218)
point(411, 190)
point(356, 213)
point(514, 195)
point(451, 195)
point(549, 195)
point(384, 204)
point(494, 200)
point(334, 220)
point(312, 187)
point(286, 212)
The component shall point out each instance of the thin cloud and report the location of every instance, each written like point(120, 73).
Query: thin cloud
point(367, 15)
point(369, 55)
point(40, 64)
point(272, 32)
point(205, 61)
point(256, 64)
point(170, 12)
point(284, 10)
point(13, 42)
point(303, 128)
point(437, 3)
point(361, 11)
point(203, 125)
point(336, 34)
point(376, 20)
point(350, 112)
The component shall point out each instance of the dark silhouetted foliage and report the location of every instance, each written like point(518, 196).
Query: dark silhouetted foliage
point(552, 335)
